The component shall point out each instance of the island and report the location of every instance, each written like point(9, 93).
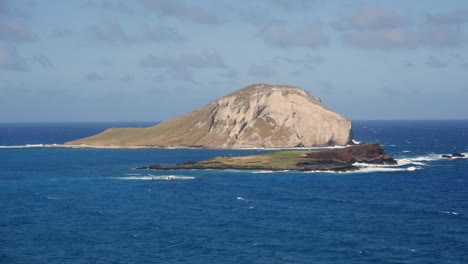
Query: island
point(338, 160)
point(256, 116)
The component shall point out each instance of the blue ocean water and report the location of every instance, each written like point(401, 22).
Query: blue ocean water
point(67, 205)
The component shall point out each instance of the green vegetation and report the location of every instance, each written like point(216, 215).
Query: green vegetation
point(281, 160)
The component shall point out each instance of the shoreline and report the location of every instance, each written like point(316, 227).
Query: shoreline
point(84, 146)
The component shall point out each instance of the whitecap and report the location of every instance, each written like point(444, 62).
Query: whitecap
point(240, 198)
point(157, 178)
point(33, 146)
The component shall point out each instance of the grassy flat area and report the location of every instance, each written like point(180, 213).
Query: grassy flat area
point(281, 160)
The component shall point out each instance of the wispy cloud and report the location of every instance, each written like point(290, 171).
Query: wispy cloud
point(43, 61)
point(187, 60)
point(293, 5)
point(379, 28)
point(307, 36)
point(180, 68)
point(10, 60)
point(435, 63)
point(112, 32)
point(262, 71)
point(181, 11)
point(12, 30)
point(93, 77)
point(111, 5)
point(374, 18)
point(455, 17)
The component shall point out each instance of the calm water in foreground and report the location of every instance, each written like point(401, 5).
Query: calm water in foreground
point(64, 205)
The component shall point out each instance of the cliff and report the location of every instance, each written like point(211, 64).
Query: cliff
point(259, 115)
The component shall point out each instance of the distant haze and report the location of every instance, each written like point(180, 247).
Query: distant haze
point(150, 60)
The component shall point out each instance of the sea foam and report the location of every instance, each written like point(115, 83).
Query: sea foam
point(150, 177)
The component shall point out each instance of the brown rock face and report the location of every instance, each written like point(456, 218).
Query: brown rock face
point(260, 115)
point(367, 153)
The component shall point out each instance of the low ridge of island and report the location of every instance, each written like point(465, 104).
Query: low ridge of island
point(342, 159)
point(257, 116)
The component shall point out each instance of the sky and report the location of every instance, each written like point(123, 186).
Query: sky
point(150, 60)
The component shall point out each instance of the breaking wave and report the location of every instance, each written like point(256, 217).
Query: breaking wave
point(33, 146)
point(151, 177)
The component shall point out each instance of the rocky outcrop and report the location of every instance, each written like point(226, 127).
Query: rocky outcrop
point(364, 153)
point(260, 115)
point(323, 160)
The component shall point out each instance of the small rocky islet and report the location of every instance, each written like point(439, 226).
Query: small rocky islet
point(342, 159)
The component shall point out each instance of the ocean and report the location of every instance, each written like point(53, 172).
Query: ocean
point(76, 205)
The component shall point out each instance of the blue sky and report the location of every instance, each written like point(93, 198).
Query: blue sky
point(150, 60)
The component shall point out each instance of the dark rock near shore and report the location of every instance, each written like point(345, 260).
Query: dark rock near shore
point(454, 155)
point(364, 153)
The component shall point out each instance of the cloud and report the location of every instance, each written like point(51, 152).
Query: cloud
point(308, 61)
point(389, 38)
point(181, 11)
point(264, 71)
point(464, 65)
point(93, 77)
point(127, 78)
point(177, 74)
point(231, 73)
point(112, 6)
point(112, 32)
point(161, 33)
point(181, 68)
point(308, 36)
point(374, 18)
point(15, 31)
point(456, 17)
point(43, 61)
point(10, 60)
point(292, 5)
point(378, 28)
point(435, 63)
point(408, 63)
point(441, 36)
point(204, 60)
point(61, 32)
point(326, 87)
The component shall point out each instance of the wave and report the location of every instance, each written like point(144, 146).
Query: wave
point(423, 160)
point(150, 177)
point(33, 146)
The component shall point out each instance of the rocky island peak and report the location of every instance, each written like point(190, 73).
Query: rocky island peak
point(257, 116)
